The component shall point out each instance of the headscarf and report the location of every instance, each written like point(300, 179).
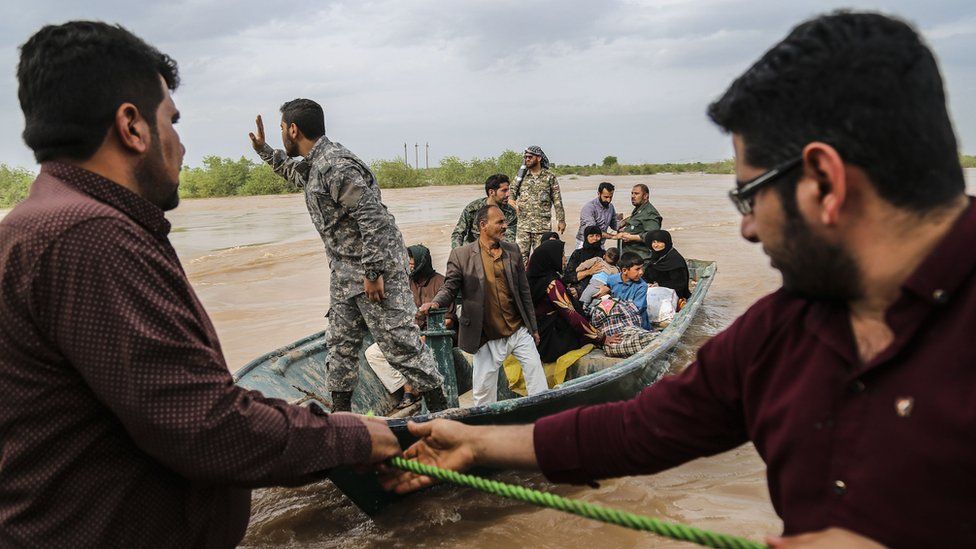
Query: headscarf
point(589, 251)
point(551, 235)
point(544, 266)
point(537, 151)
point(423, 268)
point(667, 259)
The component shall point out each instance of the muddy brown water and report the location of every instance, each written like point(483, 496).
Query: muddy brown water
point(260, 269)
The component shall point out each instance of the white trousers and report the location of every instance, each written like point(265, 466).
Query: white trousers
point(492, 354)
point(389, 376)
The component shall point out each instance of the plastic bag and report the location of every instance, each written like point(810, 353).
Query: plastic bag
point(662, 304)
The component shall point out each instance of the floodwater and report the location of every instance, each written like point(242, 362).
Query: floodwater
point(260, 269)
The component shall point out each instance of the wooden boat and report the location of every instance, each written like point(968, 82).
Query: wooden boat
point(297, 373)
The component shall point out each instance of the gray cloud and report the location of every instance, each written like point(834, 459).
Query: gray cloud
point(584, 79)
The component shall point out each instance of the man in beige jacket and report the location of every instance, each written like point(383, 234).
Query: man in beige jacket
point(497, 315)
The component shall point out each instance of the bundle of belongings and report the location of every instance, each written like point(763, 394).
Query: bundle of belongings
point(614, 316)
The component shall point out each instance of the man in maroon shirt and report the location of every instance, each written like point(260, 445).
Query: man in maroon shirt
point(855, 381)
point(120, 424)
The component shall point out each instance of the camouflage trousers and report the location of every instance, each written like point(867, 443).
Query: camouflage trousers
point(528, 241)
point(392, 324)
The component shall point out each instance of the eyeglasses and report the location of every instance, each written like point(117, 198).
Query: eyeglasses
point(744, 193)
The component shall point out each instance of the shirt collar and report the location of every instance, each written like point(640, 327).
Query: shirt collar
point(115, 195)
point(951, 262)
point(317, 149)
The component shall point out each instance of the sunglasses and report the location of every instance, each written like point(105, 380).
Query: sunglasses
point(744, 193)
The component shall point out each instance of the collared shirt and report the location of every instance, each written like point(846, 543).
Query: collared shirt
point(886, 449)
point(594, 213)
point(466, 230)
point(644, 219)
point(502, 318)
point(121, 425)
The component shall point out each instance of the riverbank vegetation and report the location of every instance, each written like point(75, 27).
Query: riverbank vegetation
point(243, 177)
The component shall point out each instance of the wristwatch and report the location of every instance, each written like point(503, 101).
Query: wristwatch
point(372, 275)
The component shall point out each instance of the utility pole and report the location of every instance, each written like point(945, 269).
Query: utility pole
point(416, 156)
point(427, 156)
point(405, 161)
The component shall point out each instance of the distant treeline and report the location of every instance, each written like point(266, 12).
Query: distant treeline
point(226, 177)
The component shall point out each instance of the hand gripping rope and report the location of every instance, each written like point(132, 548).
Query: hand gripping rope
point(581, 508)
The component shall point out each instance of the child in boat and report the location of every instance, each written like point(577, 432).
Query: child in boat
point(629, 286)
point(601, 269)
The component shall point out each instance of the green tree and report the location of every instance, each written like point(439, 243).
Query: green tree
point(452, 171)
point(609, 161)
point(261, 179)
point(14, 185)
point(395, 173)
point(509, 163)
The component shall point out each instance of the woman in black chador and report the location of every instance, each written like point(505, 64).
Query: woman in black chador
point(666, 268)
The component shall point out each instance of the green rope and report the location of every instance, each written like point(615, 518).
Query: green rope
point(596, 512)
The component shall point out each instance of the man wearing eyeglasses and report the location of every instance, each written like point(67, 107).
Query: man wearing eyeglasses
point(534, 197)
point(855, 380)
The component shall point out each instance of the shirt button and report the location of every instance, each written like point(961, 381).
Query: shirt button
point(940, 296)
point(857, 387)
point(840, 487)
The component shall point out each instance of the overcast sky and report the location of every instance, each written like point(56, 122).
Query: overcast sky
point(581, 79)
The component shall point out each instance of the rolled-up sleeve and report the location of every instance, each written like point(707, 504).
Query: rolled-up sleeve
point(125, 318)
point(694, 414)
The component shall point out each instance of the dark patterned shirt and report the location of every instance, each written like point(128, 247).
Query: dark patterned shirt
point(120, 424)
point(886, 449)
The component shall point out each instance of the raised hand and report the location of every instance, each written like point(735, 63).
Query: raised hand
point(257, 141)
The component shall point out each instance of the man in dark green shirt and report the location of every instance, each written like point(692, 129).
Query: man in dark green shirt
point(496, 191)
point(645, 218)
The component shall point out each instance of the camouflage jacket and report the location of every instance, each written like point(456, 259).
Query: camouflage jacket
point(536, 196)
point(344, 202)
point(467, 230)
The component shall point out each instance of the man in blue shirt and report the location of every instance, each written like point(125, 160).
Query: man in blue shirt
point(598, 212)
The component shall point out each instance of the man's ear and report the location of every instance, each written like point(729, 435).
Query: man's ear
point(293, 132)
point(823, 166)
point(132, 129)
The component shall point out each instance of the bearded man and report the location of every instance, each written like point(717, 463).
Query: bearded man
point(855, 380)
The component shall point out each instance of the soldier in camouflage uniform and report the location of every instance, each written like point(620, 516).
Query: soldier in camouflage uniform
point(496, 189)
point(369, 284)
point(535, 196)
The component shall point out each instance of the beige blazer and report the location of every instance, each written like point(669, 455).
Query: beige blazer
point(466, 274)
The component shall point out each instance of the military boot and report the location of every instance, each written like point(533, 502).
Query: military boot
point(341, 401)
point(435, 400)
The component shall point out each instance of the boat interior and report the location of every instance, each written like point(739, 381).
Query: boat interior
point(298, 373)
